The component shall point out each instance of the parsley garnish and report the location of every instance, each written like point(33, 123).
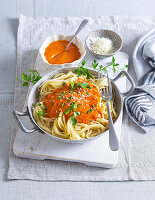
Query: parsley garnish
point(39, 104)
point(113, 65)
point(83, 85)
point(68, 100)
point(90, 110)
point(67, 111)
point(44, 107)
point(63, 83)
point(94, 64)
point(41, 113)
point(73, 106)
point(73, 85)
point(74, 120)
point(76, 113)
point(83, 71)
point(87, 93)
point(63, 104)
point(32, 76)
point(61, 95)
point(68, 136)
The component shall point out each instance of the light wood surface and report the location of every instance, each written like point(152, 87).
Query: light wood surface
point(9, 13)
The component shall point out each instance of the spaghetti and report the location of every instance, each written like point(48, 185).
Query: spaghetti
point(70, 107)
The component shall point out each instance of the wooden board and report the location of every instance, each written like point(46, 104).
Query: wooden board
point(94, 153)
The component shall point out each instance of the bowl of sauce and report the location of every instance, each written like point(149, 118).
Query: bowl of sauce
point(53, 51)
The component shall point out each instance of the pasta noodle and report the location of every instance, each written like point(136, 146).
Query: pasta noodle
point(70, 107)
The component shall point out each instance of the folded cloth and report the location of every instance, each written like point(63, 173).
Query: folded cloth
point(140, 101)
point(143, 97)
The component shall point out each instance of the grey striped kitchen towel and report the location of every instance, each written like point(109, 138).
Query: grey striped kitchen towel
point(140, 101)
point(140, 105)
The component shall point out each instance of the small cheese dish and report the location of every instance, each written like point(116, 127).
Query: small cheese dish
point(103, 43)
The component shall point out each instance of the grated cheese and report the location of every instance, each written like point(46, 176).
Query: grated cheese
point(101, 45)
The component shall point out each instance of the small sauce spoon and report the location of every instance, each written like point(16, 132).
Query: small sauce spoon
point(82, 25)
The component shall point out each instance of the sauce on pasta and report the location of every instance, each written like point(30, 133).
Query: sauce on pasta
point(70, 106)
point(55, 52)
point(84, 101)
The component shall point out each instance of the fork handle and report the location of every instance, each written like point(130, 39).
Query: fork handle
point(113, 140)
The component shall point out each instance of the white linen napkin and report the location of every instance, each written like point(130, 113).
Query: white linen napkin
point(137, 151)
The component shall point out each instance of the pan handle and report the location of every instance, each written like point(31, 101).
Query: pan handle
point(130, 80)
point(19, 122)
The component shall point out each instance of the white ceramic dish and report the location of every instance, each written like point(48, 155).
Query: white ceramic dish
point(53, 38)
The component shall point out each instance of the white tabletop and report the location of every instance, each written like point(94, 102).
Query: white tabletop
point(9, 12)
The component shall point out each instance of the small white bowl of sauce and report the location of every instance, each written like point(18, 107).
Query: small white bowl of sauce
point(53, 51)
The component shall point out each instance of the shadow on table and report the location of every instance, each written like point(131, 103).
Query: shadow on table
point(13, 24)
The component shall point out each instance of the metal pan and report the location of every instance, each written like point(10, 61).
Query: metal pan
point(32, 99)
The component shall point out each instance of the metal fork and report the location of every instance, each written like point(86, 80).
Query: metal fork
point(106, 94)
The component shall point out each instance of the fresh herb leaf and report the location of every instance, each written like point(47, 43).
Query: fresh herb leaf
point(54, 92)
point(83, 71)
point(73, 106)
point(72, 84)
point(32, 76)
point(74, 120)
point(68, 100)
point(41, 113)
point(67, 111)
point(104, 69)
point(44, 107)
point(114, 64)
point(83, 85)
point(25, 84)
point(63, 83)
point(83, 63)
point(90, 110)
point(63, 104)
point(76, 113)
point(94, 64)
point(100, 67)
point(39, 104)
point(87, 93)
point(68, 136)
point(61, 95)
point(24, 76)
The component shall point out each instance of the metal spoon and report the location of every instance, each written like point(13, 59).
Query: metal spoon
point(82, 25)
point(149, 52)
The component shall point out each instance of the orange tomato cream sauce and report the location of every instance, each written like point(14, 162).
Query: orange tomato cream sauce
point(55, 52)
point(82, 101)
